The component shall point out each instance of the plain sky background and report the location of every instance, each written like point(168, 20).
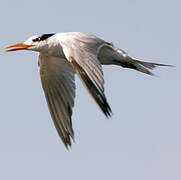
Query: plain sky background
point(142, 140)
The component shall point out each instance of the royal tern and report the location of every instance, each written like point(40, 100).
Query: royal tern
point(60, 55)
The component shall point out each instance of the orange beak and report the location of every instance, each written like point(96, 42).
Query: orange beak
point(18, 46)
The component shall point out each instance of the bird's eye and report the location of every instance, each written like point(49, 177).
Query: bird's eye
point(36, 39)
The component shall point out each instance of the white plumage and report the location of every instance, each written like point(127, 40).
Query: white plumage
point(63, 54)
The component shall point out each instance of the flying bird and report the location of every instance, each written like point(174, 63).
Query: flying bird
point(60, 56)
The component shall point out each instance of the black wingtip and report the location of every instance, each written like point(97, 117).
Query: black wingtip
point(105, 107)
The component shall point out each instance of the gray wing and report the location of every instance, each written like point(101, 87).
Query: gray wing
point(81, 51)
point(57, 77)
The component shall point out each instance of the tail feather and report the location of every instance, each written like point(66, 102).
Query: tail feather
point(150, 65)
point(142, 69)
point(143, 66)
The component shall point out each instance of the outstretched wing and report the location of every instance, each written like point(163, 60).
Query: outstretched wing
point(81, 51)
point(57, 77)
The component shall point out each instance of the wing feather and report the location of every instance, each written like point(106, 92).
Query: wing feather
point(58, 124)
point(98, 96)
point(81, 51)
point(57, 77)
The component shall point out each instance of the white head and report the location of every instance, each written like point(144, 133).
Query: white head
point(34, 43)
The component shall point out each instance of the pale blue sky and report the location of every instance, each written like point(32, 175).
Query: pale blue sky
point(142, 139)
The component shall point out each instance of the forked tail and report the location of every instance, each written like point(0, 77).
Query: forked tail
point(143, 66)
